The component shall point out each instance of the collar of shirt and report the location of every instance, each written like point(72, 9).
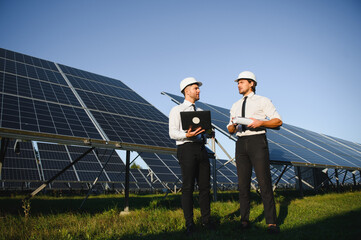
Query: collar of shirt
point(187, 105)
point(249, 96)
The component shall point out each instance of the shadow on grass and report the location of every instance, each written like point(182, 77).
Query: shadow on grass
point(98, 204)
point(346, 226)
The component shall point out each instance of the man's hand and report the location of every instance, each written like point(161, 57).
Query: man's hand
point(232, 128)
point(255, 124)
point(191, 133)
point(273, 123)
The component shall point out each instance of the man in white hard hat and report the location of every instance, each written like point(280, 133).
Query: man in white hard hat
point(192, 156)
point(249, 118)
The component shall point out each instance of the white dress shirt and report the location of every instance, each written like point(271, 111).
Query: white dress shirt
point(176, 131)
point(257, 107)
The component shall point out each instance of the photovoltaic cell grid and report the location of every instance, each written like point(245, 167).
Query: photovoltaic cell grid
point(165, 167)
point(115, 167)
point(89, 167)
point(295, 145)
point(141, 176)
point(18, 167)
point(344, 176)
point(122, 113)
point(54, 158)
point(226, 174)
point(288, 177)
point(35, 97)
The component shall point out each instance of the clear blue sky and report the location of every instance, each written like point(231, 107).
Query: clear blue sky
point(306, 54)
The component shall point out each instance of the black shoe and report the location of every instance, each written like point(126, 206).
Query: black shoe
point(190, 230)
point(245, 225)
point(273, 229)
point(209, 226)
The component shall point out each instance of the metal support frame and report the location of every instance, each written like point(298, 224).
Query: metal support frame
point(336, 177)
point(127, 174)
point(214, 171)
point(58, 174)
point(344, 177)
point(96, 179)
point(329, 179)
point(299, 175)
point(3, 148)
point(279, 177)
point(354, 178)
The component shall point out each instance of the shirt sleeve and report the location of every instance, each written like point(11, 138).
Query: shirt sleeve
point(175, 127)
point(270, 110)
point(232, 114)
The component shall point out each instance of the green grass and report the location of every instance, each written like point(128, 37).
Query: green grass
point(326, 216)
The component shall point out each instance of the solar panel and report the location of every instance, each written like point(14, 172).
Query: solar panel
point(141, 179)
point(164, 166)
point(118, 109)
point(20, 166)
point(35, 98)
point(89, 167)
point(294, 145)
point(45, 101)
point(226, 174)
point(53, 158)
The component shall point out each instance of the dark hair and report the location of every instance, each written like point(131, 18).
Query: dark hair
point(254, 85)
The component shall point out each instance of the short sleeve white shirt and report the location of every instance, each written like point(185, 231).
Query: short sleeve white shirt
point(257, 107)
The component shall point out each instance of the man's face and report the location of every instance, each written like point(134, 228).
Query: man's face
point(244, 87)
point(193, 91)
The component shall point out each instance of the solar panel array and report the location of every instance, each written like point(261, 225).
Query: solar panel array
point(40, 97)
point(35, 97)
point(295, 145)
point(25, 168)
point(165, 167)
point(22, 165)
point(42, 100)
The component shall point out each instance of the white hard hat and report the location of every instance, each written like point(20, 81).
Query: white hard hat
point(188, 81)
point(246, 75)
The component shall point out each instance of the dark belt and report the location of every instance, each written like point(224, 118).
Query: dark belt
point(249, 136)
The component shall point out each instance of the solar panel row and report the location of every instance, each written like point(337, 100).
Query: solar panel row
point(294, 145)
point(39, 96)
point(51, 158)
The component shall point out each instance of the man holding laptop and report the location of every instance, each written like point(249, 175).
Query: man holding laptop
point(192, 155)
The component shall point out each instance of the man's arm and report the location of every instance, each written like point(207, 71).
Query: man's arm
point(273, 123)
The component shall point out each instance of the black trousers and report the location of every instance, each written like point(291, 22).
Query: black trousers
point(194, 163)
point(253, 151)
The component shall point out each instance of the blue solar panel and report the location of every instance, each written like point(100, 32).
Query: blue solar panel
point(20, 166)
point(140, 177)
point(38, 96)
point(118, 109)
point(164, 166)
point(54, 158)
point(291, 144)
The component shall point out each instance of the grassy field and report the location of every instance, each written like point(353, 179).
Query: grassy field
point(323, 216)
